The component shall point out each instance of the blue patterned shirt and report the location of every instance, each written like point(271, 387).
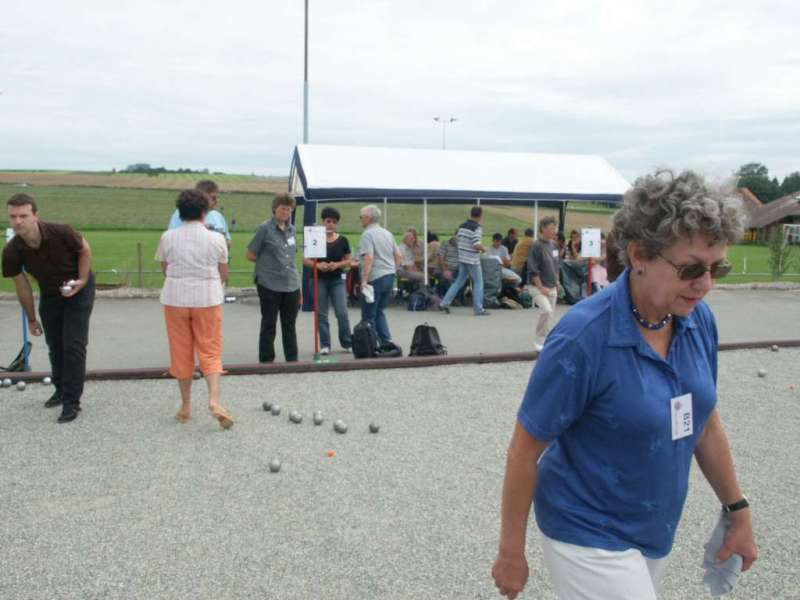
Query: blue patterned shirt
point(613, 478)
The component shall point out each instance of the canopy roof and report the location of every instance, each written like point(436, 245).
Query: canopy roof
point(328, 173)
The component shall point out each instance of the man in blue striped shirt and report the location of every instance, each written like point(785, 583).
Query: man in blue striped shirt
point(469, 237)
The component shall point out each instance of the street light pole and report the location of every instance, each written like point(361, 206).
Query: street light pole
point(305, 80)
point(444, 123)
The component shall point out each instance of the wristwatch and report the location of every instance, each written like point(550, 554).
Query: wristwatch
point(738, 505)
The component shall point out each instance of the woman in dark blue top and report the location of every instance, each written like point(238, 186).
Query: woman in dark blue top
point(622, 397)
point(331, 278)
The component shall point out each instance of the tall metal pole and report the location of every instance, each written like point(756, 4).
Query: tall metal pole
point(305, 80)
point(425, 239)
point(444, 123)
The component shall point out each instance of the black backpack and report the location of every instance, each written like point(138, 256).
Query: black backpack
point(365, 340)
point(426, 342)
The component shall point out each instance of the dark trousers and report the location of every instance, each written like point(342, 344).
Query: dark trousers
point(273, 304)
point(66, 330)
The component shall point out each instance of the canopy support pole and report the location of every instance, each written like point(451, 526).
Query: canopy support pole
point(307, 279)
point(562, 216)
point(536, 219)
point(425, 239)
point(385, 214)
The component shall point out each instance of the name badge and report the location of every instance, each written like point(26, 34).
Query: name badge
point(555, 253)
point(291, 241)
point(344, 276)
point(681, 412)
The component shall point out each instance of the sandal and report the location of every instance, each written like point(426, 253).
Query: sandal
point(183, 417)
point(223, 416)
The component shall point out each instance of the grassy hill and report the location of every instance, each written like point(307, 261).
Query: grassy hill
point(88, 208)
point(164, 181)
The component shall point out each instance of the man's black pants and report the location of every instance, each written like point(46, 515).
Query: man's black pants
point(273, 304)
point(66, 330)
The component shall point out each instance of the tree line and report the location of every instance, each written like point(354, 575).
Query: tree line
point(755, 177)
point(149, 170)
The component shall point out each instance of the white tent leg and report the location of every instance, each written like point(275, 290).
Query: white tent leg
point(385, 214)
point(536, 219)
point(425, 239)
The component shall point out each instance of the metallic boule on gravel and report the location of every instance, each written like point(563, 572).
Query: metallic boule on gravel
point(20, 385)
point(267, 406)
point(295, 417)
point(762, 372)
point(774, 348)
point(318, 418)
point(274, 465)
point(275, 410)
point(340, 426)
point(6, 382)
point(374, 428)
point(47, 381)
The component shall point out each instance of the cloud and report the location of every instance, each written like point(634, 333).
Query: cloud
point(710, 85)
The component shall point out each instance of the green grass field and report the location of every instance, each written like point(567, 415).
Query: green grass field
point(101, 208)
point(117, 250)
point(115, 219)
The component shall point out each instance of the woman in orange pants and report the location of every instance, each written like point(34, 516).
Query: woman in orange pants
point(195, 262)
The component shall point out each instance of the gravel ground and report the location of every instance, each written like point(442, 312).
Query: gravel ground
point(127, 503)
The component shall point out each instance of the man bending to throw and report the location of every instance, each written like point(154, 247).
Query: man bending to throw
point(60, 260)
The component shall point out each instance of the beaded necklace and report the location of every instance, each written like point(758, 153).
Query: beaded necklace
point(647, 324)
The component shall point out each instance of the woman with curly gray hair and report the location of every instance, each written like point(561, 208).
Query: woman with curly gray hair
point(622, 397)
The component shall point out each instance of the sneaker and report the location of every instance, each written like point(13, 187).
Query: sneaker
point(324, 351)
point(444, 309)
point(538, 347)
point(483, 313)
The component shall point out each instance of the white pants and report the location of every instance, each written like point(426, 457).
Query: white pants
point(546, 304)
point(580, 573)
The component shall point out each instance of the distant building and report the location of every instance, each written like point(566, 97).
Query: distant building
point(750, 203)
point(763, 220)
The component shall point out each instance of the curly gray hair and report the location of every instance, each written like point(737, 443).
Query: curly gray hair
point(662, 208)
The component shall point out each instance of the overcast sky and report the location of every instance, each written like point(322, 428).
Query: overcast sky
point(98, 84)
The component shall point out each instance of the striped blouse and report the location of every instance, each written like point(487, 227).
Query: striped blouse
point(193, 255)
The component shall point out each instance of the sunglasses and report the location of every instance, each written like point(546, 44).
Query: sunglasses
point(697, 270)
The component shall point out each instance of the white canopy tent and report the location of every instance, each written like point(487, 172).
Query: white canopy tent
point(323, 173)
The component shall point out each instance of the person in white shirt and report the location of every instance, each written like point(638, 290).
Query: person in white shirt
point(500, 253)
point(412, 250)
point(195, 262)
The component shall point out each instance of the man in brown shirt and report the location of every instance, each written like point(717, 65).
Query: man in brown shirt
point(60, 260)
